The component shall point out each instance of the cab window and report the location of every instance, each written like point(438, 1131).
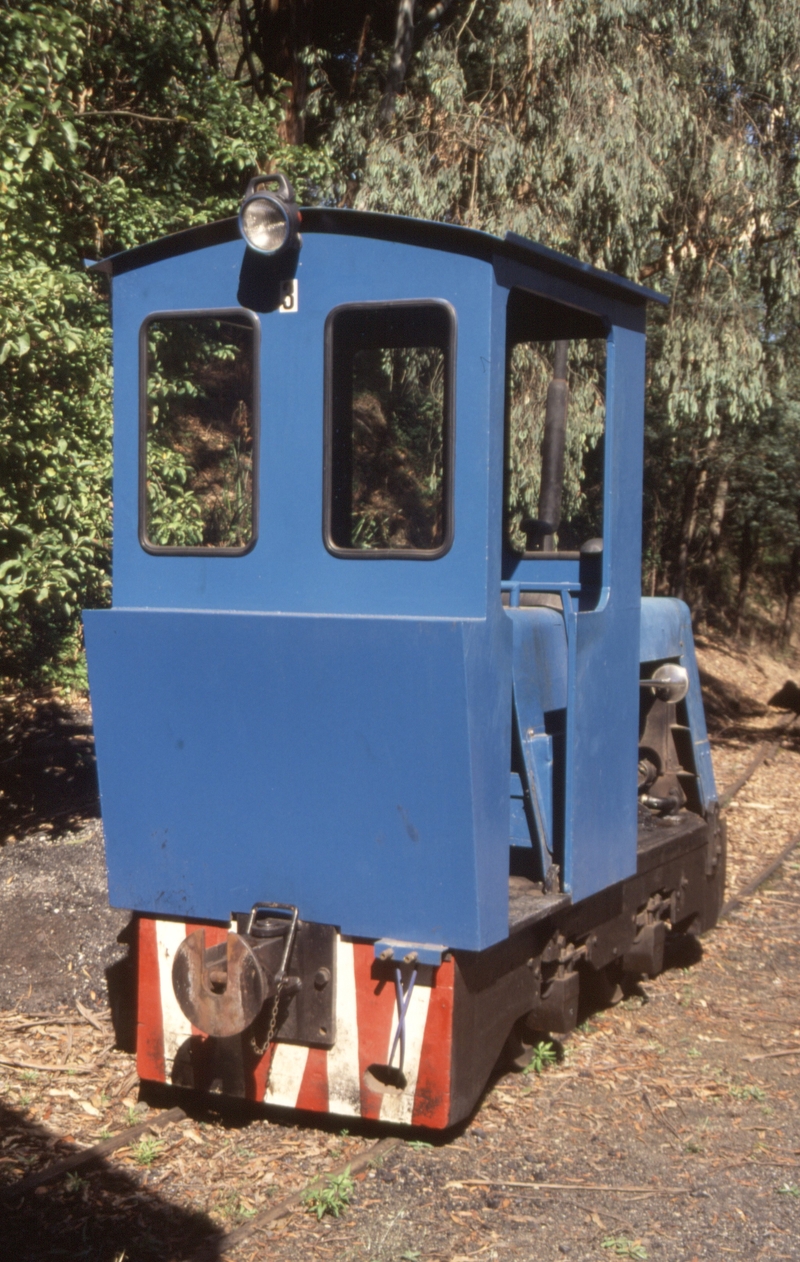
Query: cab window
point(555, 429)
point(199, 432)
point(389, 429)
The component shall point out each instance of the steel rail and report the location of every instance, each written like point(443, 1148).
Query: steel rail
point(761, 755)
point(216, 1246)
point(763, 875)
point(97, 1152)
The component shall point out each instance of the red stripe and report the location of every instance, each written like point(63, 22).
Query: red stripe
point(256, 1069)
point(214, 935)
point(150, 1029)
point(432, 1096)
point(199, 1048)
point(375, 1005)
point(313, 1093)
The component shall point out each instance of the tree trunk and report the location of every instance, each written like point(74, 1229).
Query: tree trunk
point(276, 33)
point(294, 121)
point(694, 487)
point(710, 549)
point(748, 552)
point(401, 53)
point(792, 588)
point(718, 513)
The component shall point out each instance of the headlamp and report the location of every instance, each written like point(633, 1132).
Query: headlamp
point(669, 682)
point(269, 221)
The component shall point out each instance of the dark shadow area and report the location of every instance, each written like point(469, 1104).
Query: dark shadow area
point(264, 277)
point(682, 950)
point(48, 777)
point(121, 986)
point(233, 1113)
point(727, 704)
point(98, 1213)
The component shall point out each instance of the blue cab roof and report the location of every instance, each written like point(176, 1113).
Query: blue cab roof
point(403, 229)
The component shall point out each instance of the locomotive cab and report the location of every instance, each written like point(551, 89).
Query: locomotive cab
point(368, 731)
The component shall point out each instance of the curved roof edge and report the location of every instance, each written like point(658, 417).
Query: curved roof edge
point(400, 228)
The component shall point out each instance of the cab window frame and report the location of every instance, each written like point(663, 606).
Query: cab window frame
point(448, 346)
point(242, 315)
point(534, 318)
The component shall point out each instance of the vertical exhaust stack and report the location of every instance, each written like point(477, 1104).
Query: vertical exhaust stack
point(553, 448)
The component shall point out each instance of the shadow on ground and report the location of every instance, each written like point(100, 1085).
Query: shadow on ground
point(727, 704)
point(47, 766)
point(729, 708)
point(100, 1214)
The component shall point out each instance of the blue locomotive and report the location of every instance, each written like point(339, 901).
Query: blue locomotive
point(394, 758)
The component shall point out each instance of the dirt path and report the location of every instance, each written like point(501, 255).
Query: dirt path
point(686, 1092)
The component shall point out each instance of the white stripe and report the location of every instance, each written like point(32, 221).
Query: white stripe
point(286, 1074)
point(177, 1028)
point(344, 1088)
point(400, 1108)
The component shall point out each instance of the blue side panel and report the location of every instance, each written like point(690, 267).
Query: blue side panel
point(603, 705)
point(487, 657)
point(540, 683)
point(540, 656)
point(343, 764)
point(667, 632)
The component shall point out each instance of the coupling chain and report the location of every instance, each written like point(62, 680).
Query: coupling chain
point(273, 1022)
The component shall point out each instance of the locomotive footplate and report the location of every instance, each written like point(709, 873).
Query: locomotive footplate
point(231, 986)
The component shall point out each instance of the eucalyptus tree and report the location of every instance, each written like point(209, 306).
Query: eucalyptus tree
point(660, 141)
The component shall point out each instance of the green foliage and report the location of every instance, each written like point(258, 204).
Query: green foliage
point(658, 141)
point(331, 1197)
point(116, 127)
point(199, 432)
point(544, 1055)
point(398, 448)
point(147, 1150)
point(530, 373)
point(747, 1093)
point(622, 1247)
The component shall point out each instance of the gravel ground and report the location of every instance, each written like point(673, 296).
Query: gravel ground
point(670, 1124)
point(58, 934)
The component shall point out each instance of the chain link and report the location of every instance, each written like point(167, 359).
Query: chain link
point(273, 1021)
point(281, 983)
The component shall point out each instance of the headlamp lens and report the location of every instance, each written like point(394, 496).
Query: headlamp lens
point(265, 224)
